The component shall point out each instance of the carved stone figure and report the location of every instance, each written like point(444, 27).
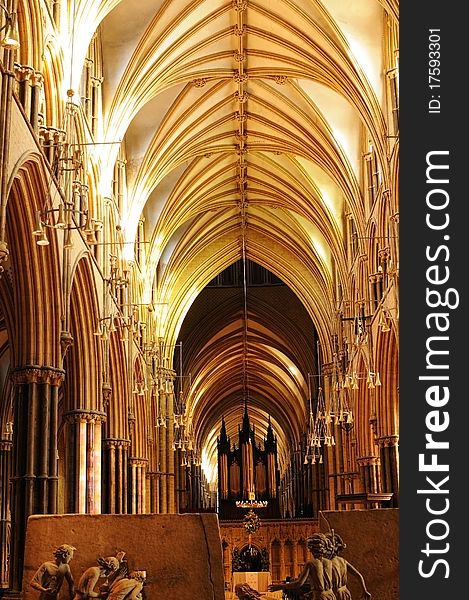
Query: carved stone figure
point(128, 588)
point(316, 574)
point(50, 575)
point(119, 573)
point(85, 588)
point(245, 592)
point(341, 568)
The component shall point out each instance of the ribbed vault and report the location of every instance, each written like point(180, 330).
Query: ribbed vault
point(241, 124)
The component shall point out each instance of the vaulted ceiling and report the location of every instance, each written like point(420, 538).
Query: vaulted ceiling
point(243, 124)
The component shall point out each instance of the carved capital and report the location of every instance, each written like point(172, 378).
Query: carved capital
point(114, 443)
point(35, 374)
point(368, 461)
point(96, 82)
point(38, 79)
point(6, 445)
point(388, 441)
point(66, 340)
point(23, 72)
point(84, 416)
point(137, 461)
point(383, 255)
point(4, 252)
point(51, 135)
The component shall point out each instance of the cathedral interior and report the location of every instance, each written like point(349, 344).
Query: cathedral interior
point(199, 287)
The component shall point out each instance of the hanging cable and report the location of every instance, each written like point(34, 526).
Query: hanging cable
point(245, 309)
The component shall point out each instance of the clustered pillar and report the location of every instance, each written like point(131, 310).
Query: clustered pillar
point(117, 451)
point(83, 459)
point(35, 474)
point(5, 517)
point(138, 469)
point(29, 85)
point(388, 451)
point(369, 469)
point(165, 454)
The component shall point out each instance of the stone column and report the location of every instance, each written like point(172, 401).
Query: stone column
point(116, 485)
point(35, 473)
point(137, 486)
point(282, 560)
point(295, 558)
point(170, 483)
point(23, 76)
point(36, 88)
point(95, 102)
point(5, 518)
point(389, 455)
point(369, 474)
point(85, 460)
point(165, 442)
point(86, 87)
point(152, 478)
point(162, 468)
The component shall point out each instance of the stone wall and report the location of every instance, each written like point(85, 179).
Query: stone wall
point(372, 538)
point(181, 553)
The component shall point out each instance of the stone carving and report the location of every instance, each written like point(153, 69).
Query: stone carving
point(341, 568)
point(315, 580)
point(50, 575)
point(244, 591)
point(104, 568)
point(325, 576)
point(119, 584)
point(128, 588)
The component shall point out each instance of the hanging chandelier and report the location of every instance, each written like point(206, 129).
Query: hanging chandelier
point(249, 504)
point(333, 408)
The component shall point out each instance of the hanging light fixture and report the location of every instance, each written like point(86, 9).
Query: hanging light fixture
point(333, 404)
point(383, 322)
point(8, 33)
point(363, 346)
point(319, 426)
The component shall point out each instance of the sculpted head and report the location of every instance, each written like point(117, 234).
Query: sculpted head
point(64, 553)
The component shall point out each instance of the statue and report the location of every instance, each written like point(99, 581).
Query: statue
point(245, 592)
point(128, 588)
point(88, 580)
point(340, 569)
point(50, 575)
point(316, 574)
